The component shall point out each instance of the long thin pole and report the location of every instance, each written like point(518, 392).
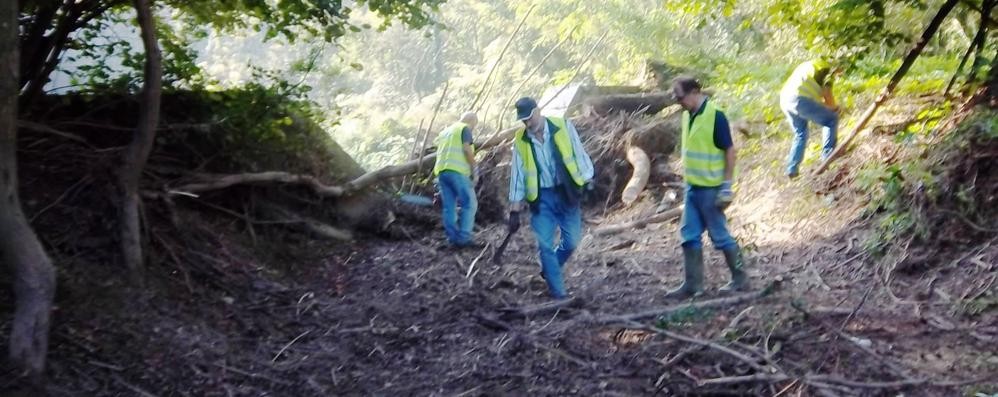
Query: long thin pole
point(578, 68)
point(509, 41)
point(412, 153)
point(426, 138)
point(532, 73)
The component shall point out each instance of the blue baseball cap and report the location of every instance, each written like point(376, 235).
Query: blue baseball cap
point(525, 107)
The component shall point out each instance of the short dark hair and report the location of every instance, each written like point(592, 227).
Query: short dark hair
point(687, 84)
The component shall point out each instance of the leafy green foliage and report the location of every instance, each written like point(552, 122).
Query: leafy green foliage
point(255, 128)
point(105, 60)
point(297, 19)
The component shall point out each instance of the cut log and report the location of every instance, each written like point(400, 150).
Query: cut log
point(650, 103)
point(639, 177)
point(640, 223)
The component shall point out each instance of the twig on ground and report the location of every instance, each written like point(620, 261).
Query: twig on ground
point(474, 262)
point(500, 325)
point(252, 375)
point(530, 310)
point(133, 388)
point(283, 349)
point(839, 333)
point(689, 339)
point(730, 301)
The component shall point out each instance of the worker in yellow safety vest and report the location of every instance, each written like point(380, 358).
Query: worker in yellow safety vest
point(549, 172)
point(708, 157)
point(807, 96)
point(456, 176)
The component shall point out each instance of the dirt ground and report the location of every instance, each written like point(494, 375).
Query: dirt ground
point(236, 310)
point(402, 317)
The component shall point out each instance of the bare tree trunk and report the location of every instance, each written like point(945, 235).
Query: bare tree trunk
point(34, 277)
point(889, 89)
point(138, 150)
point(980, 39)
point(57, 43)
point(959, 68)
point(992, 85)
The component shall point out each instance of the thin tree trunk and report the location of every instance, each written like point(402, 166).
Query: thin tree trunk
point(34, 277)
point(976, 44)
point(982, 35)
point(959, 68)
point(138, 150)
point(993, 77)
point(34, 43)
point(930, 31)
point(57, 40)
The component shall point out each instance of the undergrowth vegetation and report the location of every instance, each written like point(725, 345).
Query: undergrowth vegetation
point(939, 188)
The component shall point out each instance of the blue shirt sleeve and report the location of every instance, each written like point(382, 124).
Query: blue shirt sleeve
point(582, 158)
point(722, 132)
point(466, 136)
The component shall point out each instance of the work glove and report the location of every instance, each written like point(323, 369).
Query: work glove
point(725, 195)
point(513, 223)
point(475, 176)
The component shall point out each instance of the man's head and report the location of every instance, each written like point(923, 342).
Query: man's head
point(528, 112)
point(470, 118)
point(687, 92)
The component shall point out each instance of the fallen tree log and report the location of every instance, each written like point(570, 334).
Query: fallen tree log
point(639, 177)
point(309, 225)
point(209, 182)
point(392, 171)
point(650, 103)
point(640, 223)
point(216, 182)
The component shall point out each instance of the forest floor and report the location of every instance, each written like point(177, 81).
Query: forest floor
point(231, 313)
point(406, 318)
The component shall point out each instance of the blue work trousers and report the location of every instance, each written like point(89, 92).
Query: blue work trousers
point(548, 213)
point(702, 213)
point(799, 111)
point(456, 190)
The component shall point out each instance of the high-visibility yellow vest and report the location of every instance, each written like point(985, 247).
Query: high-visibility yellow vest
point(703, 163)
point(803, 82)
point(450, 151)
point(559, 132)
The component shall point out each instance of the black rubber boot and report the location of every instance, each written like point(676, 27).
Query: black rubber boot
point(739, 280)
point(693, 283)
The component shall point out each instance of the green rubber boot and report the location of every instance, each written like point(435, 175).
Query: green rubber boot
point(739, 280)
point(693, 267)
